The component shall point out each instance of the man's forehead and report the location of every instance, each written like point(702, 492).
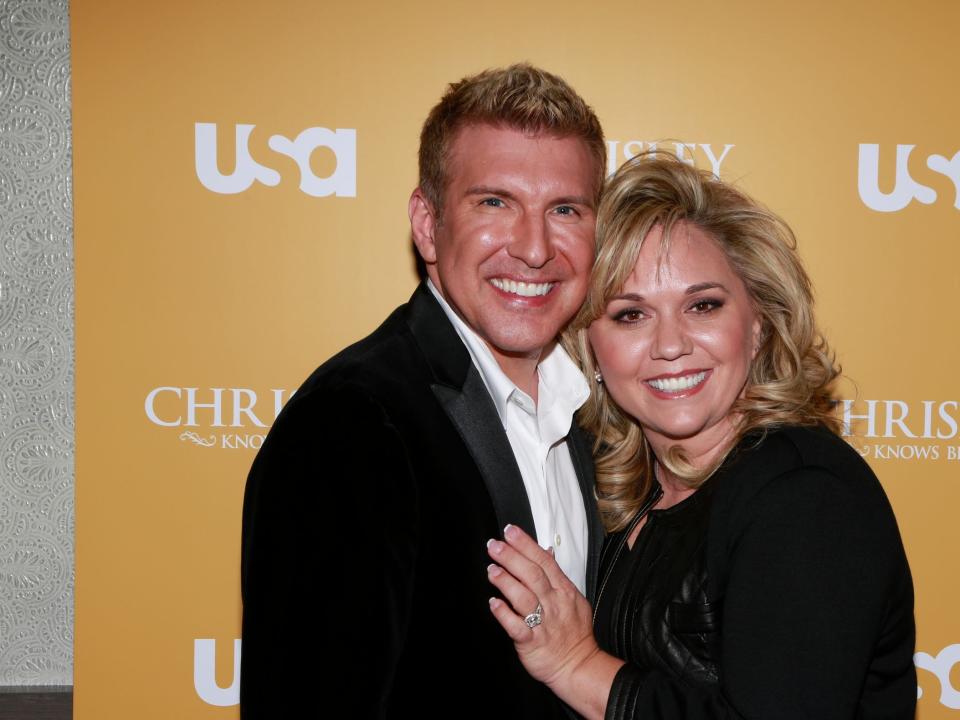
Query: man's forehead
point(486, 143)
point(476, 131)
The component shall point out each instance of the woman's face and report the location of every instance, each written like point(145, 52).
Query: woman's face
point(675, 344)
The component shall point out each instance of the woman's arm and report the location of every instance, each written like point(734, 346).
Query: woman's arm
point(560, 651)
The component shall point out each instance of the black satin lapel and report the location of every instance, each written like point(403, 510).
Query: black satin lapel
point(583, 464)
point(473, 414)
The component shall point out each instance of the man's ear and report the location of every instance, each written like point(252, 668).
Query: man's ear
point(423, 224)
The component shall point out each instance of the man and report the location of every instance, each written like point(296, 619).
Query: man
point(390, 468)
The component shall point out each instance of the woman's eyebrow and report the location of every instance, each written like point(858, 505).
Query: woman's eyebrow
point(700, 287)
point(633, 297)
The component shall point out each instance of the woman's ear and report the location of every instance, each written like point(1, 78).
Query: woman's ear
point(757, 336)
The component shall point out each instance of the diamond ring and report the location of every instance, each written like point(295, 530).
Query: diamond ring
point(534, 618)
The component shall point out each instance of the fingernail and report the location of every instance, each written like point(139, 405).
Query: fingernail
point(494, 546)
point(494, 603)
point(551, 550)
point(509, 531)
point(494, 570)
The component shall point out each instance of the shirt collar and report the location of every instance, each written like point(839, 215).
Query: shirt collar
point(562, 389)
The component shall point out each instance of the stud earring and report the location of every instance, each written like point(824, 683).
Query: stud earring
point(598, 377)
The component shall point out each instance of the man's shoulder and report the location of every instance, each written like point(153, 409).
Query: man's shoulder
point(394, 364)
point(384, 351)
point(379, 361)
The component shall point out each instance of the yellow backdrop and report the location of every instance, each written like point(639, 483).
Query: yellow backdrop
point(205, 295)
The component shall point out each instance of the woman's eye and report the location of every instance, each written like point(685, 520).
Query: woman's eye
point(706, 306)
point(630, 315)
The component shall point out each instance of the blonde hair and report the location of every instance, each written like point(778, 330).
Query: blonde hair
point(791, 378)
point(522, 97)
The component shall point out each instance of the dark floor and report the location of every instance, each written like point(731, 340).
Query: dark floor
point(36, 703)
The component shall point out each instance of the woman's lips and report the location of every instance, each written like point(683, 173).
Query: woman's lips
point(680, 385)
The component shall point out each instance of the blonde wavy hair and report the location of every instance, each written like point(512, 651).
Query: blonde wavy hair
point(791, 378)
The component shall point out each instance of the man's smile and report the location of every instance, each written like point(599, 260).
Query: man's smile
point(523, 289)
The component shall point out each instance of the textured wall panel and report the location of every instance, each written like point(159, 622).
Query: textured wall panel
point(36, 345)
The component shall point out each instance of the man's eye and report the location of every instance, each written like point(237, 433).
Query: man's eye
point(492, 202)
point(566, 210)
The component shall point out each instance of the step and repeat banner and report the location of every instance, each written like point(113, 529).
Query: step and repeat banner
point(241, 177)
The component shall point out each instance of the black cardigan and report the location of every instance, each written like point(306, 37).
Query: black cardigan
point(780, 589)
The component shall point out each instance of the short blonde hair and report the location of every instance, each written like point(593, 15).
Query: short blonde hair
point(522, 97)
point(792, 376)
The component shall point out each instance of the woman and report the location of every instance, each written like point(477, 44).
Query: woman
point(754, 567)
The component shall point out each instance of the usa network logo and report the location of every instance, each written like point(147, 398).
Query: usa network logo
point(205, 674)
point(342, 182)
point(941, 666)
point(905, 188)
point(225, 418)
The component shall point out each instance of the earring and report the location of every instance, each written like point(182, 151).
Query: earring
point(598, 377)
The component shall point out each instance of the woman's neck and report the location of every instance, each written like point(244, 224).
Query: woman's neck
point(701, 454)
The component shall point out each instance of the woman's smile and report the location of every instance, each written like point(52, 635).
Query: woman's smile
point(680, 385)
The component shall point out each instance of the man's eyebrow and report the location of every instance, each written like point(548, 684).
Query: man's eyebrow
point(574, 200)
point(488, 190)
point(503, 192)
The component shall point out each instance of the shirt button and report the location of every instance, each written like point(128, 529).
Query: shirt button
point(556, 540)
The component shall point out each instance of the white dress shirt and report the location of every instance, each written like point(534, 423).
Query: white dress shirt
point(538, 435)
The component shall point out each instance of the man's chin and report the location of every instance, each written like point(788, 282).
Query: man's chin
point(523, 345)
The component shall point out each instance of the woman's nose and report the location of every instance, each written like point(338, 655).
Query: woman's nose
point(670, 340)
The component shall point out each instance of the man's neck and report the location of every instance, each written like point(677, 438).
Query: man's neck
point(521, 369)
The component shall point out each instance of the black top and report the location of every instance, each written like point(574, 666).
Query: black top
point(779, 589)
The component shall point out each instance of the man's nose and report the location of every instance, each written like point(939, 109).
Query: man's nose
point(671, 339)
point(531, 241)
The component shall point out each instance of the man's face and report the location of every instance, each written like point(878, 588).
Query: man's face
point(514, 249)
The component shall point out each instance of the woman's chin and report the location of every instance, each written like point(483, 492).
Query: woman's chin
point(689, 431)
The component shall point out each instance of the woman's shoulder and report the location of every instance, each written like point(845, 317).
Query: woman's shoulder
point(774, 451)
point(806, 491)
point(799, 467)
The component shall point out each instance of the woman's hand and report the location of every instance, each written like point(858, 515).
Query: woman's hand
point(560, 651)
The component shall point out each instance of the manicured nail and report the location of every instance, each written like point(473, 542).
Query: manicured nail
point(494, 570)
point(494, 546)
point(494, 603)
point(510, 532)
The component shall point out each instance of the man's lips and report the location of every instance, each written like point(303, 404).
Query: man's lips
point(681, 384)
point(521, 288)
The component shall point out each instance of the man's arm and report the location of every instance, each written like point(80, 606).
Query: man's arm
point(330, 503)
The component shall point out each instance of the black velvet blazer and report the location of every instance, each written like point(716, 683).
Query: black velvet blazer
point(365, 520)
point(780, 589)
